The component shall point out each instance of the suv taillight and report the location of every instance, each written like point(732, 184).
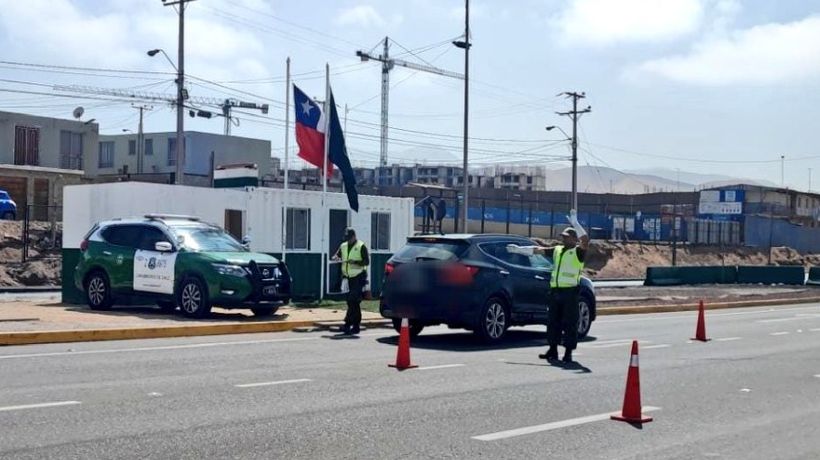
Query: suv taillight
point(388, 269)
point(84, 246)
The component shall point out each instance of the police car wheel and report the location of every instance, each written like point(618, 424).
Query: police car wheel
point(193, 298)
point(584, 317)
point(264, 311)
point(493, 321)
point(415, 327)
point(98, 291)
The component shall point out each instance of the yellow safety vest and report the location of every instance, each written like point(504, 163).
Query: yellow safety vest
point(354, 254)
point(566, 273)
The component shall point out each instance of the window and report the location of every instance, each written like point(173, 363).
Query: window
point(123, 235)
point(499, 251)
point(206, 238)
point(172, 151)
point(431, 250)
point(233, 223)
point(298, 229)
point(106, 155)
point(148, 147)
point(132, 147)
point(71, 150)
point(150, 236)
point(380, 231)
point(529, 179)
point(26, 146)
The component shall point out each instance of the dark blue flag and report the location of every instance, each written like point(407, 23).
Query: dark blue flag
point(337, 154)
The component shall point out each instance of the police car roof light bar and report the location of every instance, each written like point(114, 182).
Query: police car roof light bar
point(171, 217)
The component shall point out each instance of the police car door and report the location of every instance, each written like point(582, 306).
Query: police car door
point(153, 270)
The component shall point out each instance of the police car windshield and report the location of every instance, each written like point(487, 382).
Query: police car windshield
point(207, 239)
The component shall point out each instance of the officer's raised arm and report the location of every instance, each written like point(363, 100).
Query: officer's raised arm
point(583, 238)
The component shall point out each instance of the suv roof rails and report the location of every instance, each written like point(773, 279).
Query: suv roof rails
point(171, 217)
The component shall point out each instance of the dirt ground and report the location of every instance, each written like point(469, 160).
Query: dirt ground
point(606, 259)
point(44, 263)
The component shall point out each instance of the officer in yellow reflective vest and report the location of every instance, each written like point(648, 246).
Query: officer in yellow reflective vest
point(568, 265)
point(355, 260)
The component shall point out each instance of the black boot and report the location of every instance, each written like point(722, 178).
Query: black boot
point(550, 355)
point(567, 356)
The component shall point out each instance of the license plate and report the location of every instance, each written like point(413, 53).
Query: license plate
point(269, 290)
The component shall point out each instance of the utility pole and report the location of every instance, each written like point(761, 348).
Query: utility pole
point(141, 137)
point(809, 180)
point(575, 114)
point(783, 171)
point(180, 142)
point(466, 46)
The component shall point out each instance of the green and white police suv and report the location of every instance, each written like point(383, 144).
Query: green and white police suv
point(180, 262)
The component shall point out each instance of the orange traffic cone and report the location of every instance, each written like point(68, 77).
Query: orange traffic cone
point(700, 332)
point(403, 354)
point(632, 399)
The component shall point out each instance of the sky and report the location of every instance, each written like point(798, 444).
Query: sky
point(705, 86)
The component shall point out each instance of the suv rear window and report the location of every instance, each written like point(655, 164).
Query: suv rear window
point(431, 250)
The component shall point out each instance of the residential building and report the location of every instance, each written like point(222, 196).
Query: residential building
point(28, 140)
point(118, 154)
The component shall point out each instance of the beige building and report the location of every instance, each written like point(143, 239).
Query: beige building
point(28, 140)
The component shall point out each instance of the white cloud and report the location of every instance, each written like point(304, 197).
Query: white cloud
point(762, 54)
point(606, 22)
point(361, 15)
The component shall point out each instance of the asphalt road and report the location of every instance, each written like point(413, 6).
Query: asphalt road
point(751, 393)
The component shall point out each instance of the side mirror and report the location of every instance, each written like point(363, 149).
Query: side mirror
point(246, 241)
point(163, 246)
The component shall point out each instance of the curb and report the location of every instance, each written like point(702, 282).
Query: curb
point(628, 310)
point(94, 335)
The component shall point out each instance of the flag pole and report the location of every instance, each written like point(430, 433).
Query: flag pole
point(325, 249)
point(287, 158)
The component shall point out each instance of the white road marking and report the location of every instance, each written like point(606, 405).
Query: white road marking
point(175, 347)
point(552, 426)
point(664, 316)
point(267, 384)
point(818, 376)
point(39, 406)
point(154, 394)
point(605, 342)
point(816, 329)
point(780, 333)
point(745, 390)
point(727, 339)
point(779, 320)
point(619, 344)
point(661, 345)
point(443, 366)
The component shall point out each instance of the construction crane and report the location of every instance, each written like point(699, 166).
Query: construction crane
point(388, 64)
point(225, 104)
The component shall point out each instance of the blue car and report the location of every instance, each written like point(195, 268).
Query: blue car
point(472, 282)
point(8, 208)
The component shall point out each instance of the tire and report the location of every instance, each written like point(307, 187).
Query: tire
point(494, 320)
point(98, 291)
point(192, 298)
point(264, 311)
point(415, 327)
point(167, 306)
point(8, 215)
point(584, 316)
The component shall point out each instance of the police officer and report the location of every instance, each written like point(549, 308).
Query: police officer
point(568, 264)
point(355, 259)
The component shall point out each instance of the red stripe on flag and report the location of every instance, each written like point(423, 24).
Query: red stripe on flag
point(312, 147)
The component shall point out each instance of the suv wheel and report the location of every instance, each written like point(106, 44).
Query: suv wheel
point(415, 327)
point(264, 311)
point(584, 316)
point(98, 291)
point(494, 320)
point(193, 298)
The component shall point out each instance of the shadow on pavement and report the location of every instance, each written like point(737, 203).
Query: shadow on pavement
point(152, 312)
point(467, 341)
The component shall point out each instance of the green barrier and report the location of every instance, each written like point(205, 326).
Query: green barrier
point(792, 274)
point(814, 275)
point(673, 276)
point(70, 293)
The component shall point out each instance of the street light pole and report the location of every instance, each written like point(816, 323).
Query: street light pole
point(574, 114)
point(466, 45)
point(180, 141)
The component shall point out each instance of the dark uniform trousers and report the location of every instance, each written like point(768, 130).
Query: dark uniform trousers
point(353, 318)
point(563, 317)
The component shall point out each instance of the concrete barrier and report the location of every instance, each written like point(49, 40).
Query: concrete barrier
point(814, 275)
point(672, 276)
point(792, 274)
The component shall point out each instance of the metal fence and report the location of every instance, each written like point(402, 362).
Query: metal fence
point(42, 232)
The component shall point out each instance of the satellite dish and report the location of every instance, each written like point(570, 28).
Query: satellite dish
point(78, 112)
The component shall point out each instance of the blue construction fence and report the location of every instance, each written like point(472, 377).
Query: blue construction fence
point(647, 227)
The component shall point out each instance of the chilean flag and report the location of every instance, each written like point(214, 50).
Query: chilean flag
point(310, 135)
